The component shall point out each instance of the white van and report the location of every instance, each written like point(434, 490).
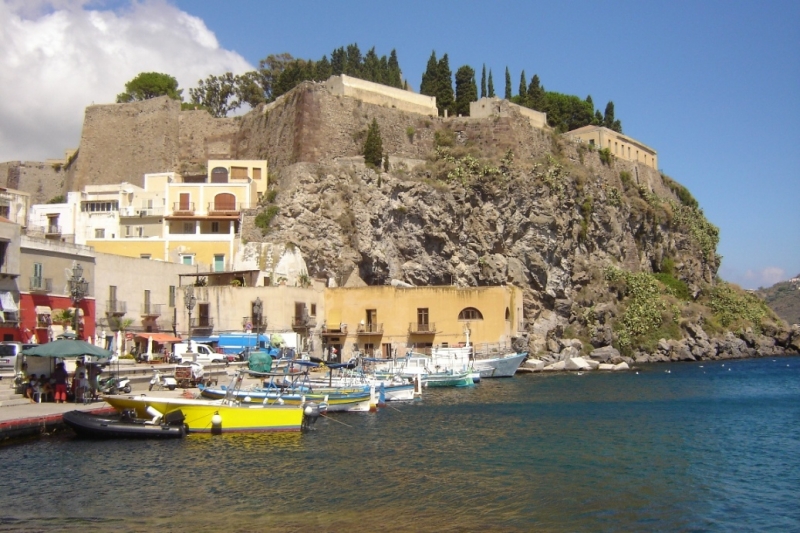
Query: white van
point(204, 353)
point(9, 351)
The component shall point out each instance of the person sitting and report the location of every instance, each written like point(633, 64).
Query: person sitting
point(60, 378)
point(32, 387)
point(45, 388)
point(80, 386)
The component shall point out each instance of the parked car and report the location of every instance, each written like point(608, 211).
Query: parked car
point(9, 351)
point(203, 354)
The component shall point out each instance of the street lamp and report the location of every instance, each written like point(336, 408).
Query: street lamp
point(258, 309)
point(190, 300)
point(78, 288)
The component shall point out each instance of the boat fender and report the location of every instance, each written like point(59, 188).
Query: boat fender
point(216, 420)
point(155, 413)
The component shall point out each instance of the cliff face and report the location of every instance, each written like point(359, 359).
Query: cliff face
point(466, 201)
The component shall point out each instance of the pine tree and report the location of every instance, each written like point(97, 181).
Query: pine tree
point(373, 146)
point(483, 82)
point(466, 90)
point(491, 84)
point(508, 85)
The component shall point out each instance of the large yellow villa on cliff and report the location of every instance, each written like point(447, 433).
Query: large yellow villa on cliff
point(189, 219)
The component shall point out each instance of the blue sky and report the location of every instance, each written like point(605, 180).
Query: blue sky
point(713, 86)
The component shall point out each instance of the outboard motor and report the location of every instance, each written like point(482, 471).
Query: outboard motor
point(311, 413)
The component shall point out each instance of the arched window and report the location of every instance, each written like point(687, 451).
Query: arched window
point(470, 313)
point(225, 201)
point(219, 175)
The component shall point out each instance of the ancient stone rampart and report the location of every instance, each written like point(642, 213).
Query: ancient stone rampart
point(43, 181)
point(382, 95)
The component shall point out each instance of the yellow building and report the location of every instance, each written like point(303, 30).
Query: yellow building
point(189, 219)
point(621, 146)
point(388, 320)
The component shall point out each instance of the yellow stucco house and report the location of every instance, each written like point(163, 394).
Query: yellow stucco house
point(622, 146)
point(387, 320)
point(189, 219)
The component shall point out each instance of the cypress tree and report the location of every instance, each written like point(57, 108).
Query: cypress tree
point(608, 117)
point(428, 85)
point(491, 84)
point(535, 94)
point(523, 88)
point(466, 90)
point(508, 85)
point(373, 146)
point(395, 76)
point(444, 91)
point(483, 82)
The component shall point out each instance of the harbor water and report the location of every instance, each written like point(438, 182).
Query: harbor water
point(711, 446)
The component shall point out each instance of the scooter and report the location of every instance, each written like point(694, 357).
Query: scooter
point(114, 384)
point(160, 382)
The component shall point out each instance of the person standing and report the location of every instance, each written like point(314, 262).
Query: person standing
point(60, 376)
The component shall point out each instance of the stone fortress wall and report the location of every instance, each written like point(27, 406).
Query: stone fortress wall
point(314, 123)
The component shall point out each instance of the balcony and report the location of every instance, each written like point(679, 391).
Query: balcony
point(39, 284)
point(341, 331)
point(369, 329)
point(116, 307)
point(252, 324)
point(223, 209)
point(131, 211)
point(151, 310)
point(9, 317)
point(427, 328)
point(183, 209)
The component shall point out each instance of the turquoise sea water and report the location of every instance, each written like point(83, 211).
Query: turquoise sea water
point(681, 447)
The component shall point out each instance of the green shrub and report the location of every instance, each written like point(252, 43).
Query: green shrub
point(625, 178)
point(680, 191)
point(271, 195)
point(264, 218)
point(410, 131)
point(676, 287)
point(734, 307)
point(444, 138)
point(606, 157)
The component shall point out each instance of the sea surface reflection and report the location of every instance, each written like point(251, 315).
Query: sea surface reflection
point(705, 447)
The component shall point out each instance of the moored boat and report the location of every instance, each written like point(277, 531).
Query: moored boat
point(125, 425)
point(504, 366)
point(448, 379)
point(221, 416)
point(352, 400)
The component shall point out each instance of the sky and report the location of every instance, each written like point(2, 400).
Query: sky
point(713, 86)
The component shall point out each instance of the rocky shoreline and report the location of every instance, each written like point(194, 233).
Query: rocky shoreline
point(566, 354)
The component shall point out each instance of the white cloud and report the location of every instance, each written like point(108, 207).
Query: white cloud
point(59, 56)
point(765, 277)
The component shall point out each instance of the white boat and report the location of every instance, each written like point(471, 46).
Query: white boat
point(504, 366)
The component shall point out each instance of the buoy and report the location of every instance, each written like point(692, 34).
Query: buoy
point(216, 420)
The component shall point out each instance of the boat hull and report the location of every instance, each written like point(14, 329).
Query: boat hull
point(215, 416)
point(499, 367)
point(114, 427)
point(335, 402)
point(463, 379)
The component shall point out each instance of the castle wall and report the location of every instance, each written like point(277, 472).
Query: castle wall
point(383, 95)
point(491, 107)
point(43, 181)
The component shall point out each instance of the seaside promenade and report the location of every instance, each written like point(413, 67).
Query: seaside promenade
point(21, 419)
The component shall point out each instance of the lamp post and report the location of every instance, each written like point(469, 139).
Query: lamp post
point(258, 309)
point(78, 288)
point(190, 300)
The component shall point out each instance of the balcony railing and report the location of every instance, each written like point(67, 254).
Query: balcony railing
point(222, 208)
point(116, 307)
point(253, 323)
point(340, 331)
point(422, 327)
point(39, 284)
point(132, 211)
point(202, 322)
point(9, 317)
point(52, 229)
point(370, 329)
point(151, 309)
point(183, 208)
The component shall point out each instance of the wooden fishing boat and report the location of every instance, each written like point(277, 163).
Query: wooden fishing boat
point(221, 416)
point(331, 400)
point(449, 378)
point(125, 425)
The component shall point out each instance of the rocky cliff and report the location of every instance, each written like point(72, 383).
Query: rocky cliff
point(606, 251)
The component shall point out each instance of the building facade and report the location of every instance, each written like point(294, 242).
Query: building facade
point(385, 321)
point(621, 146)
